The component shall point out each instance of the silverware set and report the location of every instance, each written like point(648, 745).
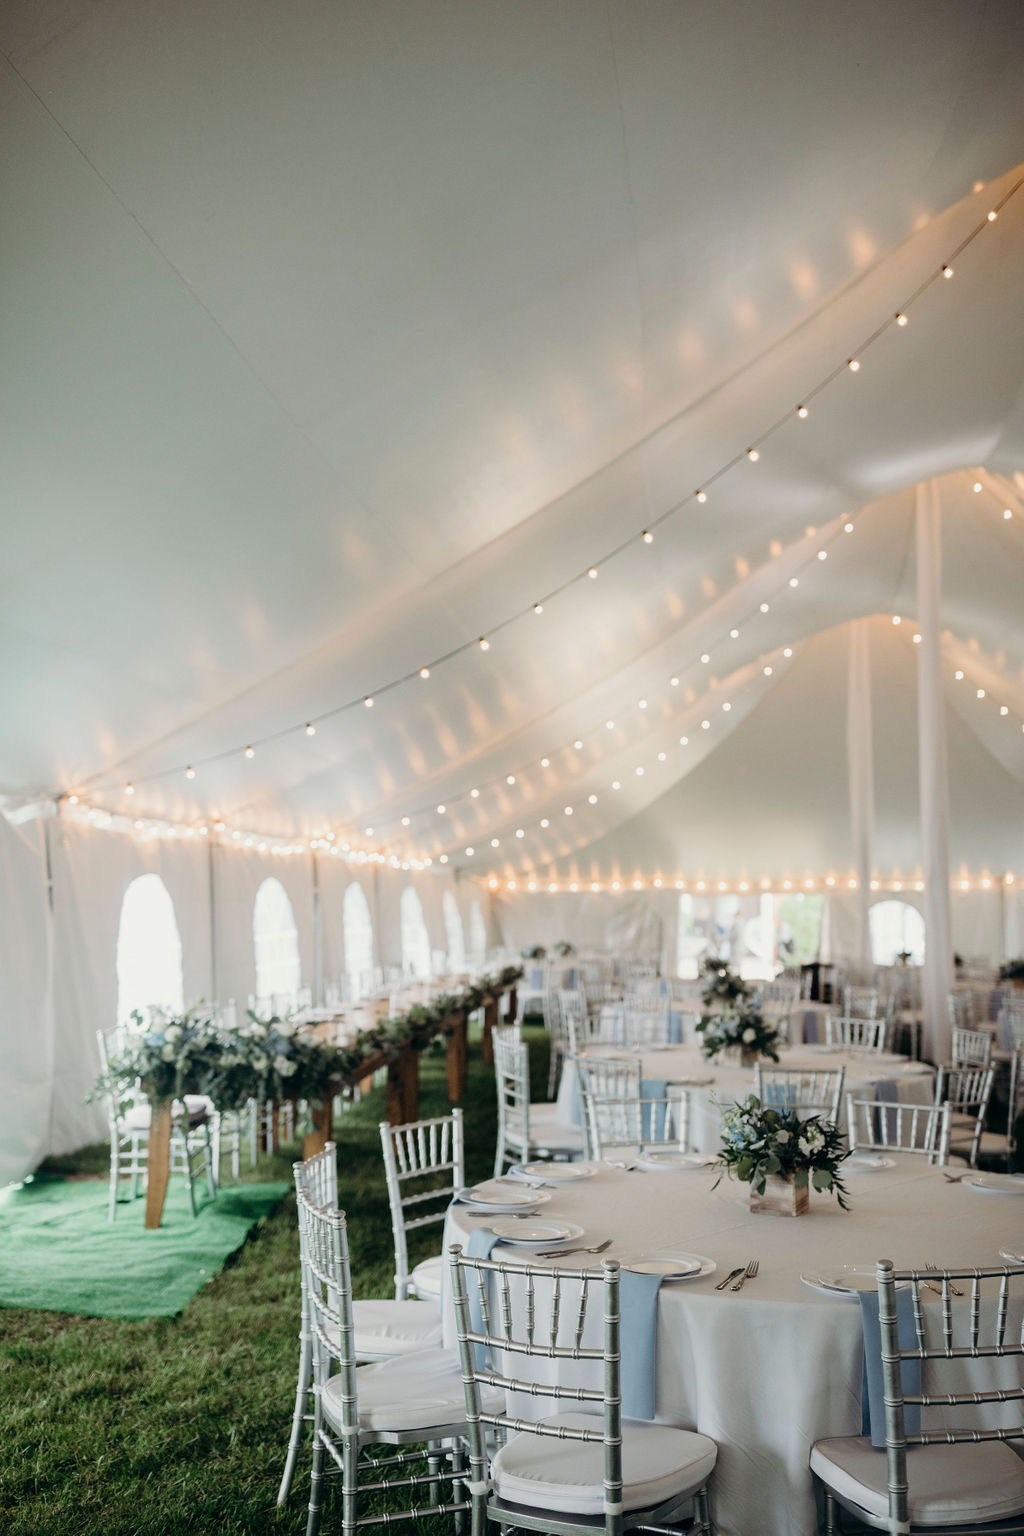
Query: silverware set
point(559, 1253)
point(735, 1279)
point(933, 1269)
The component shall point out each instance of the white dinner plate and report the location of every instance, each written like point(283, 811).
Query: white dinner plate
point(558, 1173)
point(659, 1045)
point(846, 1280)
point(526, 1233)
point(866, 1162)
point(501, 1195)
point(996, 1183)
point(671, 1266)
point(662, 1161)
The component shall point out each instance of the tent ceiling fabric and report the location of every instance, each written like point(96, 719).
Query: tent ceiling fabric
point(338, 333)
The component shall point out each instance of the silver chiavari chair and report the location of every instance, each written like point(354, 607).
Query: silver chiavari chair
point(525, 1129)
point(884, 1127)
point(860, 1034)
point(557, 1025)
point(1015, 1107)
point(572, 1473)
point(860, 1002)
point(963, 1476)
point(819, 1091)
point(425, 1167)
point(1011, 1022)
point(402, 1403)
point(645, 1020)
point(971, 1048)
point(636, 1125)
point(604, 1077)
point(382, 1330)
point(967, 1091)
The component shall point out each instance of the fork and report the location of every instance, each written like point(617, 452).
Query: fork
point(748, 1274)
point(559, 1253)
point(933, 1269)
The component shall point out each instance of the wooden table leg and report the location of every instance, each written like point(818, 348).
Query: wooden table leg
point(158, 1164)
point(490, 1024)
point(513, 1004)
point(323, 1123)
point(403, 1088)
point(453, 1064)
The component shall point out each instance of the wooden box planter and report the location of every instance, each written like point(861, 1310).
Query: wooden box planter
point(781, 1198)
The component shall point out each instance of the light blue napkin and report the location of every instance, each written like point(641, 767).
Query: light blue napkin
point(778, 1096)
point(481, 1241)
point(675, 1026)
point(886, 1092)
point(651, 1088)
point(638, 1337)
point(873, 1391)
point(810, 1031)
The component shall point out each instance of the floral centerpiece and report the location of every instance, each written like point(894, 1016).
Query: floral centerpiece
point(563, 949)
point(165, 1056)
point(780, 1155)
point(745, 1033)
point(533, 952)
point(721, 984)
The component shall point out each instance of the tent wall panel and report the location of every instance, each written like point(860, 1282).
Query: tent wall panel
point(27, 1033)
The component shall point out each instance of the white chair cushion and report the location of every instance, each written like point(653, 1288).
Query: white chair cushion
point(546, 1130)
point(658, 1463)
point(386, 1329)
point(969, 1482)
point(426, 1278)
point(423, 1391)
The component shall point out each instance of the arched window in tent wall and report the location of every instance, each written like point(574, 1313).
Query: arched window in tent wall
point(477, 934)
point(896, 928)
point(276, 943)
point(415, 938)
point(357, 926)
point(148, 950)
point(454, 934)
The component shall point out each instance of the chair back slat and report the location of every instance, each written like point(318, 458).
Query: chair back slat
point(885, 1127)
point(816, 1090)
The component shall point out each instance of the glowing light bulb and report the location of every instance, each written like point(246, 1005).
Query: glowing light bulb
point(673, 682)
point(250, 751)
point(726, 707)
point(591, 799)
point(662, 756)
point(981, 693)
point(616, 784)
point(424, 673)
point(520, 831)
point(310, 730)
point(657, 885)
point(847, 527)
point(959, 676)
point(578, 746)
point(484, 644)
point(510, 778)
point(474, 794)
point(639, 773)
point(684, 741)
point(1003, 710)
point(648, 536)
point(594, 885)
point(788, 652)
point(753, 455)
point(615, 885)
point(72, 799)
point(574, 886)
point(705, 658)
point(822, 554)
point(1007, 514)
point(129, 789)
point(992, 215)
point(917, 639)
point(765, 607)
point(545, 762)
point(734, 634)
point(532, 885)
point(511, 885)
point(567, 810)
point(976, 487)
point(896, 619)
point(538, 607)
point(592, 573)
point(641, 703)
point(470, 852)
point(853, 364)
point(947, 270)
point(545, 822)
point(702, 497)
point(767, 671)
point(794, 581)
point(609, 725)
point(190, 773)
point(441, 810)
point(368, 702)
point(369, 831)
point(901, 318)
point(801, 411)
point(705, 725)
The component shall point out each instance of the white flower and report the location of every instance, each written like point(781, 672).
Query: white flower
point(259, 1061)
point(167, 1053)
point(284, 1066)
point(172, 1032)
point(749, 1035)
point(781, 1137)
point(258, 1031)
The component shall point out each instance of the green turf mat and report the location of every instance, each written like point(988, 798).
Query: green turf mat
point(58, 1252)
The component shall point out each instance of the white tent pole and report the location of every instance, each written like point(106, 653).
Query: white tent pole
point(860, 760)
point(318, 938)
point(933, 780)
point(212, 886)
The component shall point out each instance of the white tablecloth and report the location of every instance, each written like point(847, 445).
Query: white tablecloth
point(722, 1083)
point(768, 1371)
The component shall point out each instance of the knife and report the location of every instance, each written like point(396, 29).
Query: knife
point(723, 1283)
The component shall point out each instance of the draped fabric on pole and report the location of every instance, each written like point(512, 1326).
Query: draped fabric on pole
point(861, 772)
point(26, 1010)
point(933, 777)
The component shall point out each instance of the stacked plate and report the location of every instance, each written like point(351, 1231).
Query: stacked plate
point(845, 1280)
point(660, 1161)
point(866, 1162)
point(671, 1266)
point(524, 1232)
point(554, 1173)
point(996, 1183)
point(502, 1196)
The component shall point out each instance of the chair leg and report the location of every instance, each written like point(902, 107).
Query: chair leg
point(300, 1412)
point(350, 1488)
point(114, 1157)
point(211, 1166)
point(702, 1503)
point(831, 1523)
point(186, 1158)
point(316, 1481)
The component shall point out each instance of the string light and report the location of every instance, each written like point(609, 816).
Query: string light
point(753, 455)
point(310, 730)
point(250, 752)
point(802, 412)
point(702, 497)
point(538, 607)
point(368, 702)
point(648, 536)
point(901, 319)
point(190, 773)
point(592, 573)
point(947, 270)
point(424, 673)
point(129, 789)
point(484, 643)
point(853, 364)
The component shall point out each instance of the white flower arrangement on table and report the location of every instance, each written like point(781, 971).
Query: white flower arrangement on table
point(746, 1030)
point(758, 1142)
point(167, 1056)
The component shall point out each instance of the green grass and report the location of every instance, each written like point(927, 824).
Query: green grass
point(178, 1425)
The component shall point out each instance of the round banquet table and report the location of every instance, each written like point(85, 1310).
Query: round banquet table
point(711, 1084)
point(768, 1370)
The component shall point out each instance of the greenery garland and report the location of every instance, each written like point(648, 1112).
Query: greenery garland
point(274, 1058)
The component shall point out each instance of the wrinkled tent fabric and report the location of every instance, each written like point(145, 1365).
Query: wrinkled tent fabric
point(338, 334)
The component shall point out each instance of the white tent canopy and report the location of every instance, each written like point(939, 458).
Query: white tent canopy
point(341, 335)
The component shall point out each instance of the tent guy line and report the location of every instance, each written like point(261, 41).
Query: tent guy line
point(751, 453)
